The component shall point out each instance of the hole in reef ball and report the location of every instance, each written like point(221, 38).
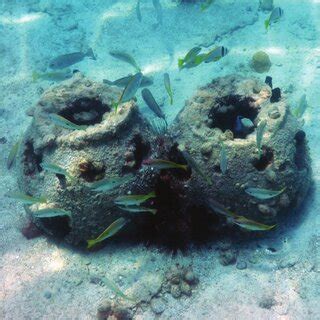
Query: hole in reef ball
point(91, 172)
point(85, 111)
point(31, 160)
point(58, 226)
point(265, 159)
point(227, 110)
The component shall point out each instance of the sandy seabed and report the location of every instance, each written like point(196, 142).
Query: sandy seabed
point(42, 279)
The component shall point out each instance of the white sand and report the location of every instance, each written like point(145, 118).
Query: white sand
point(40, 279)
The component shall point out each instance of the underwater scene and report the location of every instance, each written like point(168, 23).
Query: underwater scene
point(159, 159)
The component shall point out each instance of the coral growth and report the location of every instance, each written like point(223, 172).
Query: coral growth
point(261, 62)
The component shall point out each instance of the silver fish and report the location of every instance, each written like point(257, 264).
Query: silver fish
point(52, 76)
point(122, 82)
point(260, 132)
point(302, 107)
point(113, 287)
point(114, 228)
point(109, 184)
point(54, 168)
point(263, 194)
point(158, 9)
point(69, 59)
point(13, 154)
point(138, 209)
point(125, 57)
point(134, 200)
point(223, 159)
point(167, 85)
point(152, 103)
point(138, 11)
point(64, 123)
point(26, 199)
point(51, 213)
point(130, 90)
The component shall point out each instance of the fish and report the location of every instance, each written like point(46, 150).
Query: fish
point(241, 221)
point(263, 194)
point(114, 228)
point(122, 82)
point(247, 123)
point(275, 15)
point(223, 159)
point(152, 103)
point(204, 6)
point(69, 59)
point(113, 287)
point(134, 199)
point(164, 164)
point(194, 166)
point(26, 199)
point(302, 107)
point(52, 76)
point(158, 8)
point(13, 154)
point(159, 126)
point(130, 90)
point(138, 11)
point(123, 56)
point(252, 225)
point(259, 135)
point(54, 168)
point(167, 85)
point(138, 209)
point(64, 123)
point(190, 56)
point(51, 213)
point(109, 184)
point(216, 54)
point(243, 125)
point(219, 208)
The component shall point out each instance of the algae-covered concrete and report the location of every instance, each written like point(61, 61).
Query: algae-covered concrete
point(209, 120)
point(112, 145)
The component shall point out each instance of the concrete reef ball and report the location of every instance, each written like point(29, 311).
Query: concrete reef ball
point(118, 144)
point(114, 144)
point(261, 62)
point(208, 120)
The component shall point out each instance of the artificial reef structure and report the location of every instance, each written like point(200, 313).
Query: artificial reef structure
point(121, 144)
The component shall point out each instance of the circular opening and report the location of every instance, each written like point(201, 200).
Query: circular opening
point(85, 111)
point(265, 159)
point(235, 113)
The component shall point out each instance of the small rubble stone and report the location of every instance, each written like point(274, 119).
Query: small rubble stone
point(175, 291)
point(274, 114)
point(284, 200)
point(157, 305)
point(288, 262)
point(267, 302)
point(47, 294)
point(241, 265)
point(190, 277)
point(206, 149)
point(185, 289)
point(228, 257)
point(271, 175)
